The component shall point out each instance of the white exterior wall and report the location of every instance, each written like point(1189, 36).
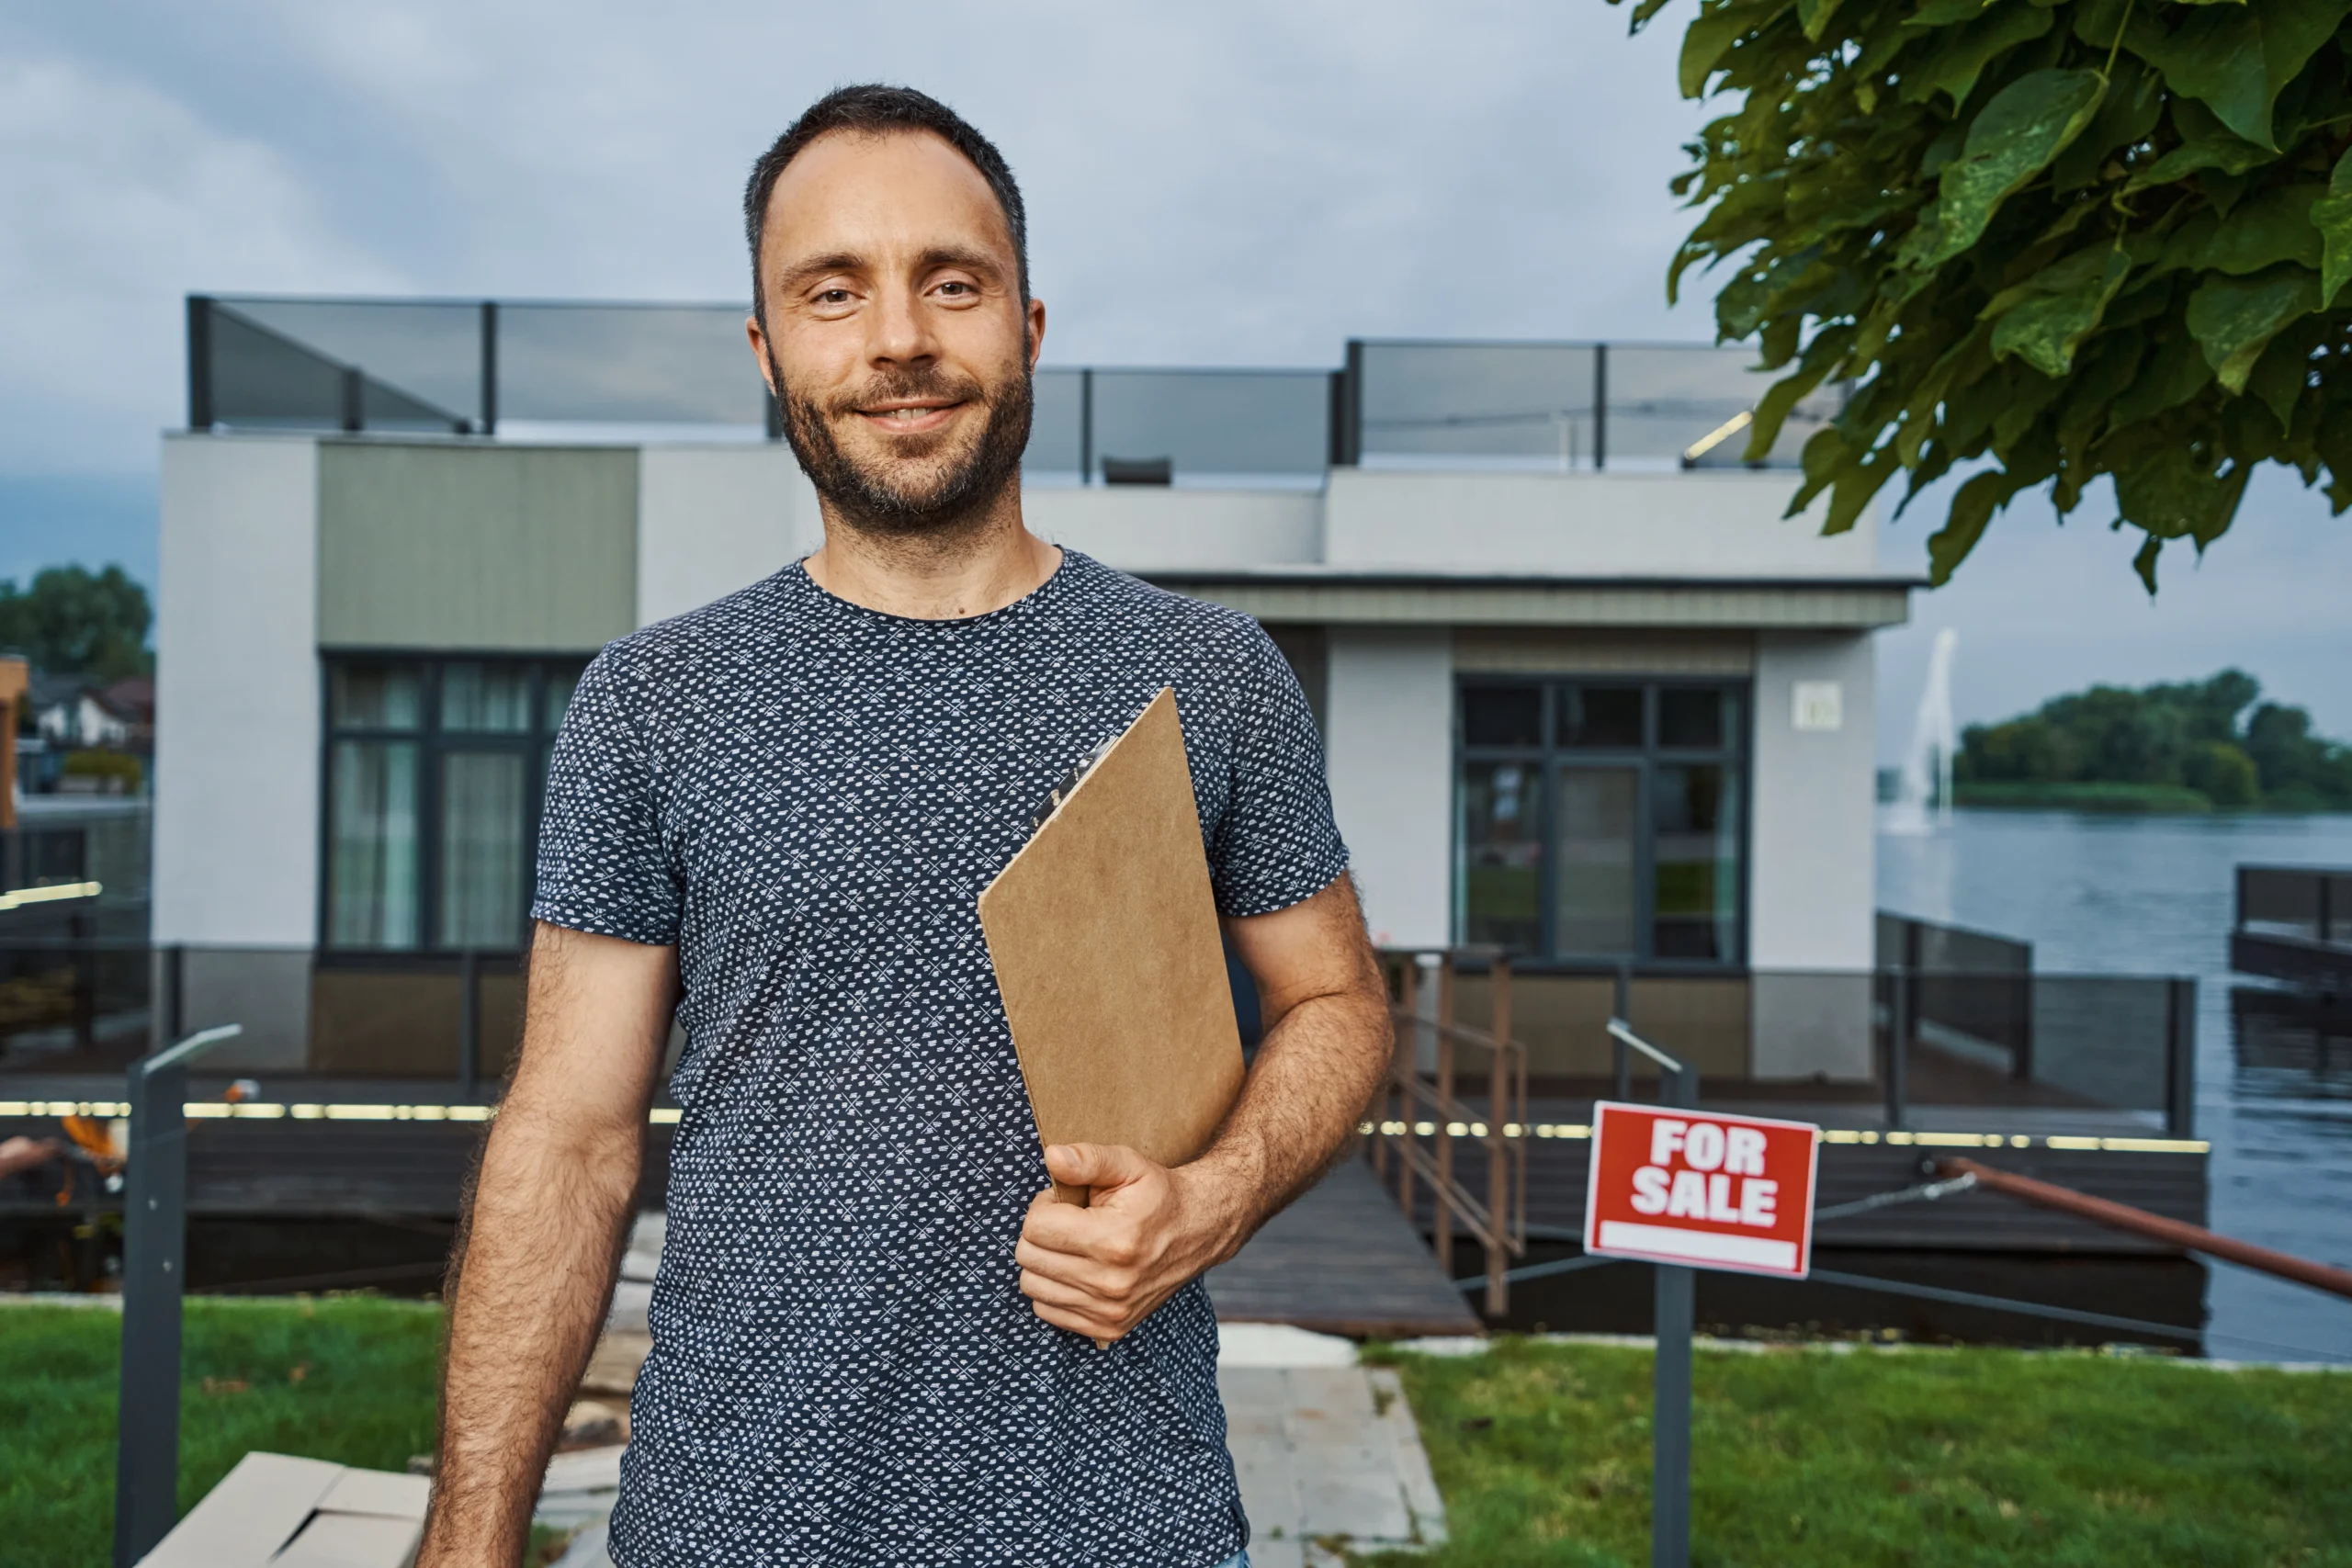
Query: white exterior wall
point(1812, 864)
point(1389, 728)
point(237, 693)
point(713, 519)
point(1151, 528)
point(1704, 524)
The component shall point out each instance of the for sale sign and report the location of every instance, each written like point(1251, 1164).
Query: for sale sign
point(1695, 1188)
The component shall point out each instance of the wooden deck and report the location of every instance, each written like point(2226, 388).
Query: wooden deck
point(1342, 1260)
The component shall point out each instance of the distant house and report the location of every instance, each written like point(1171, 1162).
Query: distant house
point(73, 712)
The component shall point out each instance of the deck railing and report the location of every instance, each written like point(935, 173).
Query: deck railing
point(1419, 1116)
point(530, 368)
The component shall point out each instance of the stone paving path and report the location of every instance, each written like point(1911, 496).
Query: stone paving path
point(1327, 1450)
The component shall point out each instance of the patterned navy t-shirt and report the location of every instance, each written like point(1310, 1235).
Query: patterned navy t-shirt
point(807, 797)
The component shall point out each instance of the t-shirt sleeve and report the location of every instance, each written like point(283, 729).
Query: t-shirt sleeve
point(602, 867)
point(1276, 843)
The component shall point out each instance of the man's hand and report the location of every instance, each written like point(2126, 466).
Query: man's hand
point(1150, 1230)
point(24, 1154)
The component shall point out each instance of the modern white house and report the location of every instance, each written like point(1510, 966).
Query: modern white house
point(1584, 693)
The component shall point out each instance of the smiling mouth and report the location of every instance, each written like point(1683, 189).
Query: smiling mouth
point(911, 419)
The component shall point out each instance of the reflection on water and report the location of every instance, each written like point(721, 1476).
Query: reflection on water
point(2290, 1046)
point(2153, 895)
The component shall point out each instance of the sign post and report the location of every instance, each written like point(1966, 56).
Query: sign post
point(154, 1247)
point(1684, 1189)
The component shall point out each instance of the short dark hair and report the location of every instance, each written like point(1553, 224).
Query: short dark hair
point(875, 109)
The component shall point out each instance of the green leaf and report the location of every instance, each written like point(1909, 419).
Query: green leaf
point(1711, 36)
point(1813, 15)
point(2270, 228)
point(2144, 563)
point(2171, 492)
point(2205, 143)
point(2237, 59)
point(1945, 13)
point(2012, 139)
point(2282, 375)
point(2058, 308)
point(2176, 373)
point(2232, 319)
point(2331, 216)
point(2134, 101)
point(1971, 509)
point(1962, 57)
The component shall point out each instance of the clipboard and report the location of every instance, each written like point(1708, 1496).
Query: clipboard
point(1103, 934)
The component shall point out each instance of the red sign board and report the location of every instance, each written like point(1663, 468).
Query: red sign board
point(1696, 1188)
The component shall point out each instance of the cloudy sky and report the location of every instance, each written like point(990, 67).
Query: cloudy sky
point(1211, 184)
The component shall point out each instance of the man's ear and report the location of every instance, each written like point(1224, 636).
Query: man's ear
point(759, 340)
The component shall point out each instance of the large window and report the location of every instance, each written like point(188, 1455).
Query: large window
point(434, 773)
point(1603, 818)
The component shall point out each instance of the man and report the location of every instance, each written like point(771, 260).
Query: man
point(874, 1333)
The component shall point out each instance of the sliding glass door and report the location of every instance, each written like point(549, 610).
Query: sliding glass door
point(1602, 819)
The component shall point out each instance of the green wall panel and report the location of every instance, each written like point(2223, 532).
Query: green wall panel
point(461, 546)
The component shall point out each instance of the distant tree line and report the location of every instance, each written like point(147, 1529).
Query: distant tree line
point(71, 621)
point(2215, 738)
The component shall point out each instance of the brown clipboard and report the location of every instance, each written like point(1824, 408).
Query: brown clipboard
point(1103, 934)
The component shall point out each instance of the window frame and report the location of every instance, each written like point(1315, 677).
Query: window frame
point(1551, 759)
point(535, 744)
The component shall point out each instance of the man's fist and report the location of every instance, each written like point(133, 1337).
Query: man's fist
point(1148, 1230)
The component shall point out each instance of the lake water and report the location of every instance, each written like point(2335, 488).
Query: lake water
point(2141, 894)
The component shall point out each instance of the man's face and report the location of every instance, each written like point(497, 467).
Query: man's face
point(896, 339)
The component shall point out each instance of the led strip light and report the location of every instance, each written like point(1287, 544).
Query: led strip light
point(668, 1116)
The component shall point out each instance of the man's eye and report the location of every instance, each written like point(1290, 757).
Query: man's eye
point(832, 297)
point(956, 288)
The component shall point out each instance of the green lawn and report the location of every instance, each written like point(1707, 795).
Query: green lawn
point(349, 1379)
point(1923, 1459)
point(1917, 1458)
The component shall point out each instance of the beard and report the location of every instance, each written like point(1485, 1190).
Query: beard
point(930, 490)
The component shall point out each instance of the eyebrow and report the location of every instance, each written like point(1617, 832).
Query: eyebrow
point(850, 261)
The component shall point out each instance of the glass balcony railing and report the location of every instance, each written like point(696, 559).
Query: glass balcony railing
point(569, 371)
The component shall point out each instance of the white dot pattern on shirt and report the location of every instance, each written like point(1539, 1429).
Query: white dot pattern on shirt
point(807, 797)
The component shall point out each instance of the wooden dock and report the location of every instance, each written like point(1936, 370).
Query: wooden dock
point(1343, 1260)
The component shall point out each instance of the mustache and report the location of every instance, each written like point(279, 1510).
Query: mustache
point(925, 383)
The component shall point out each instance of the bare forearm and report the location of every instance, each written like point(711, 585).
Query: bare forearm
point(543, 1243)
point(1314, 1075)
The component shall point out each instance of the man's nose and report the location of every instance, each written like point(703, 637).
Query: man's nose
point(900, 330)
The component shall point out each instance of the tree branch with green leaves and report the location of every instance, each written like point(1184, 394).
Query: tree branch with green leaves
point(2049, 242)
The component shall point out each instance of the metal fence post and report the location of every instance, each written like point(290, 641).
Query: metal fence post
point(470, 1024)
point(1623, 1007)
point(1405, 1066)
point(1670, 1388)
point(1898, 1035)
point(1600, 409)
point(154, 1248)
point(1441, 1190)
point(1086, 425)
point(488, 424)
point(199, 364)
point(2181, 1057)
point(85, 981)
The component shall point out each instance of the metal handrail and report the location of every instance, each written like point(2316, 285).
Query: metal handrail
point(1474, 1215)
point(1620, 1029)
point(1499, 1221)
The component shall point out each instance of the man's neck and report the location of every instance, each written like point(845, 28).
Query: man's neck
point(964, 568)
